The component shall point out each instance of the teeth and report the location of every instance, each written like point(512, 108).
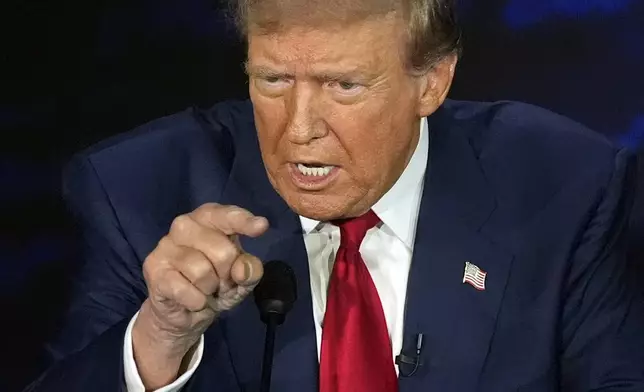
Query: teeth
point(314, 171)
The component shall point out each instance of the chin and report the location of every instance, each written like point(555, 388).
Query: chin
point(319, 207)
point(335, 202)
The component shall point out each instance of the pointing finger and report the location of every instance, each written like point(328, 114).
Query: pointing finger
point(230, 220)
point(217, 247)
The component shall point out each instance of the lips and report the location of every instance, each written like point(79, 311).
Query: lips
point(313, 176)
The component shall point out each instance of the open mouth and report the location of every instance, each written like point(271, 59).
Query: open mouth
point(313, 176)
point(314, 170)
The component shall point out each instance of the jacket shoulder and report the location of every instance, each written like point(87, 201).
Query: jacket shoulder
point(529, 155)
point(164, 168)
point(184, 129)
point(518, 125)
point(531, 138)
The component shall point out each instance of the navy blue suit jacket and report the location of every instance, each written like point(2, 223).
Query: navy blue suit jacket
point(536, 200)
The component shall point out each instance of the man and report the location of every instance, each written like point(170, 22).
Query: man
point(445, 246)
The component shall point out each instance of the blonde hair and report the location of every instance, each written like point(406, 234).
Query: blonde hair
point(432, 30)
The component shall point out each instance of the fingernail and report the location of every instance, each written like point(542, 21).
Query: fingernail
point(248, 271)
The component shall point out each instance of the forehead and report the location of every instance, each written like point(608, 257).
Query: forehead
point(369, 43)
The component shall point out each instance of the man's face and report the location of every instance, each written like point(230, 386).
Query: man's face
point(337, 114)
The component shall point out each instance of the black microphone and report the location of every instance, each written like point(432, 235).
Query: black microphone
point(274, 295)
point(408, 364)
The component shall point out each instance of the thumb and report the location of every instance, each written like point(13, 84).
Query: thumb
point(247, 271)
point(229, 299)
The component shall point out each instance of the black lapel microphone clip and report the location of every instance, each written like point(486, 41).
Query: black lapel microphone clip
point(408, 364)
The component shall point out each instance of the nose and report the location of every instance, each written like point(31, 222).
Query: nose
point(304, 123)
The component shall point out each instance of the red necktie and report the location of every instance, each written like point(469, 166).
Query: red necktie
point(356, 351)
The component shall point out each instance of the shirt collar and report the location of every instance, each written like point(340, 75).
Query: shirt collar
point(398, 208)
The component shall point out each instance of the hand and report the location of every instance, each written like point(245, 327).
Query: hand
point(196, 272)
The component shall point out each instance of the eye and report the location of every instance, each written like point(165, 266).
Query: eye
point(272, 85)
point(272, 79)
point(345, 87)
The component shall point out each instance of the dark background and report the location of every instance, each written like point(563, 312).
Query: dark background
point(73, 73)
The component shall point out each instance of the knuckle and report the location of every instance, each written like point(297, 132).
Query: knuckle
point(195, 269)
point(180, 224)
point(150, 265)
point(178, 291)
point(164, 245)
point(225, 252)
point(208, 206)
point(208, 211)
point(158, 256)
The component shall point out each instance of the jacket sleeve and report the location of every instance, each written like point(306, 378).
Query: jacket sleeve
point(602, 341)
point(109, 290)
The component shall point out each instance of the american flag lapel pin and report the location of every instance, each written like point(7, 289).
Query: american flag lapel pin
point(474, 276)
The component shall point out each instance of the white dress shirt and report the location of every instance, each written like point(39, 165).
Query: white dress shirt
point(386, 250)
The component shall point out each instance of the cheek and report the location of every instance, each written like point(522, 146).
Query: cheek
point(375, 138)
point(270, 121)
point(364, 144)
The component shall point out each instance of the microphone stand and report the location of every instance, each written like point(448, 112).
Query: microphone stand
point(274, 296)
point(269, 348)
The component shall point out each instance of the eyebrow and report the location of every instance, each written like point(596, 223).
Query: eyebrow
point(260, 70)
point(324, 76)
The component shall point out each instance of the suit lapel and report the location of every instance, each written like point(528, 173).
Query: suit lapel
point(457, 320)
point(295, 365)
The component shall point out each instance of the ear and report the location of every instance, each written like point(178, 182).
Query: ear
point(435, 85)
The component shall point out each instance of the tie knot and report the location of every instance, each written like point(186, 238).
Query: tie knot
point(353, 230)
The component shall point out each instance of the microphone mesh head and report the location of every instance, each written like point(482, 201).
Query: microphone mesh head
point(277, 291)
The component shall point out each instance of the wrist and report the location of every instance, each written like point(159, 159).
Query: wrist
point(151, 335)
point(158, 353)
